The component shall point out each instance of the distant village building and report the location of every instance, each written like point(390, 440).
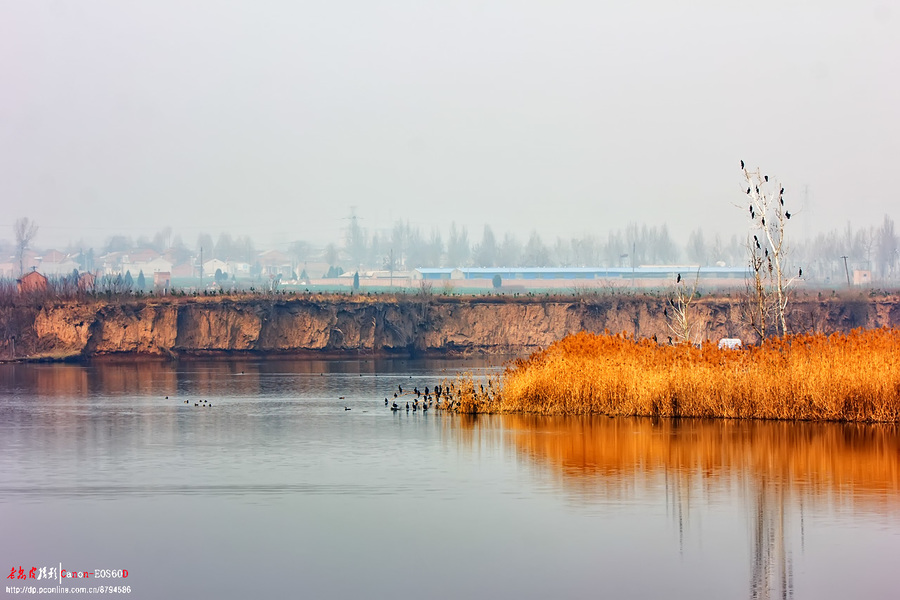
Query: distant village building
point(184, 270)
point(8, 269)
point(111, 263)
point(32, 282)
point(162, 279)
point(238, 268)
point(214, 264)
point(651, 276)
point(54, 262)
point(155, 265)
point(146, 260)
point(86, 282)
point(273, 263)
point(862, 277)
point(375, 278)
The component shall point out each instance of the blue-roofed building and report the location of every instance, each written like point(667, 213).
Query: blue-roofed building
point(560, 277)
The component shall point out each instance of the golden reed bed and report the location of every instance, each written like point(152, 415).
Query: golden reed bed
point(841, 377)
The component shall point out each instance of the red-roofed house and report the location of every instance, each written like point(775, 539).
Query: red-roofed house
point(32, 282)
point(54, 262)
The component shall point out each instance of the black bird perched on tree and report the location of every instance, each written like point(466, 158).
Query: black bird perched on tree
point(788, 214)
point(763, 221)
point(767, 252)
point(755, 239)
point(666, 312)
point(748, 190)
point(678, 279)
point(742, 164)
point(766, 177)
point(757, 189)
point(782, 200)
point(800, 274)
point(752, 214)
point(781, 193)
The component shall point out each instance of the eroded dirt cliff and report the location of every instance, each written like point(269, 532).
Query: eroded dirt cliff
point(390, 325)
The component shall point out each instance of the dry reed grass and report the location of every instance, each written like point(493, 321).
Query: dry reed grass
point(841, 377)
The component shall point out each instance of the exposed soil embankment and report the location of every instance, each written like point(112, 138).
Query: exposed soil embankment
point(411, 325)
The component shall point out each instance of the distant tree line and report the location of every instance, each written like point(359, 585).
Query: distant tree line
point(875, 249)
point(406, 247)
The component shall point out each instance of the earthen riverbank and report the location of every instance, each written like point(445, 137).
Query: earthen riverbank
point(309, 324)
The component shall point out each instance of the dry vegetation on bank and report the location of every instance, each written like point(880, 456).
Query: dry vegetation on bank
point(841, 377)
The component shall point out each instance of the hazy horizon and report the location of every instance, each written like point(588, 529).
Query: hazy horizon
point(273, 120)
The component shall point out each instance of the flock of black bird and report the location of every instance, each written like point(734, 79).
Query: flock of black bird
point(204, 403)
point(787, 214)
point(439, 397)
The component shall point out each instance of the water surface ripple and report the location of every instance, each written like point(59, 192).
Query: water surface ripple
point(278, 490)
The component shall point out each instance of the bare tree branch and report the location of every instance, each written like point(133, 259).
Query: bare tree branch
point(25, 230)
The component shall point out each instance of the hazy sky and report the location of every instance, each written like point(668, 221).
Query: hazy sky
point(273, 118)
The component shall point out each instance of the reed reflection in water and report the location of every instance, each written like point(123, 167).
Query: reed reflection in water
point(781, 471)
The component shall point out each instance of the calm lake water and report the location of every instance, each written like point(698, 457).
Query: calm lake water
point(277, 491)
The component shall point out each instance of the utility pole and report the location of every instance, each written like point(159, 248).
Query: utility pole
point(846, 270)
point(201, 268)
point(391, 267)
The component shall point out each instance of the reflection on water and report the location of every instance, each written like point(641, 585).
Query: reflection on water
point(824, 462)
point(780, 470)
point(204, 377)
point(280, 457)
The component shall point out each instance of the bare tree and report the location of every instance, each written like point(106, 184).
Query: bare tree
point(768, 218)
point(486, 251)
point(680, 322)
point(887, 248)
point(355, 240)
point(758, 306)
point(696, 248)
point(509, 253)
point(25, 230)
point(458, 250)
point(536, 253)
